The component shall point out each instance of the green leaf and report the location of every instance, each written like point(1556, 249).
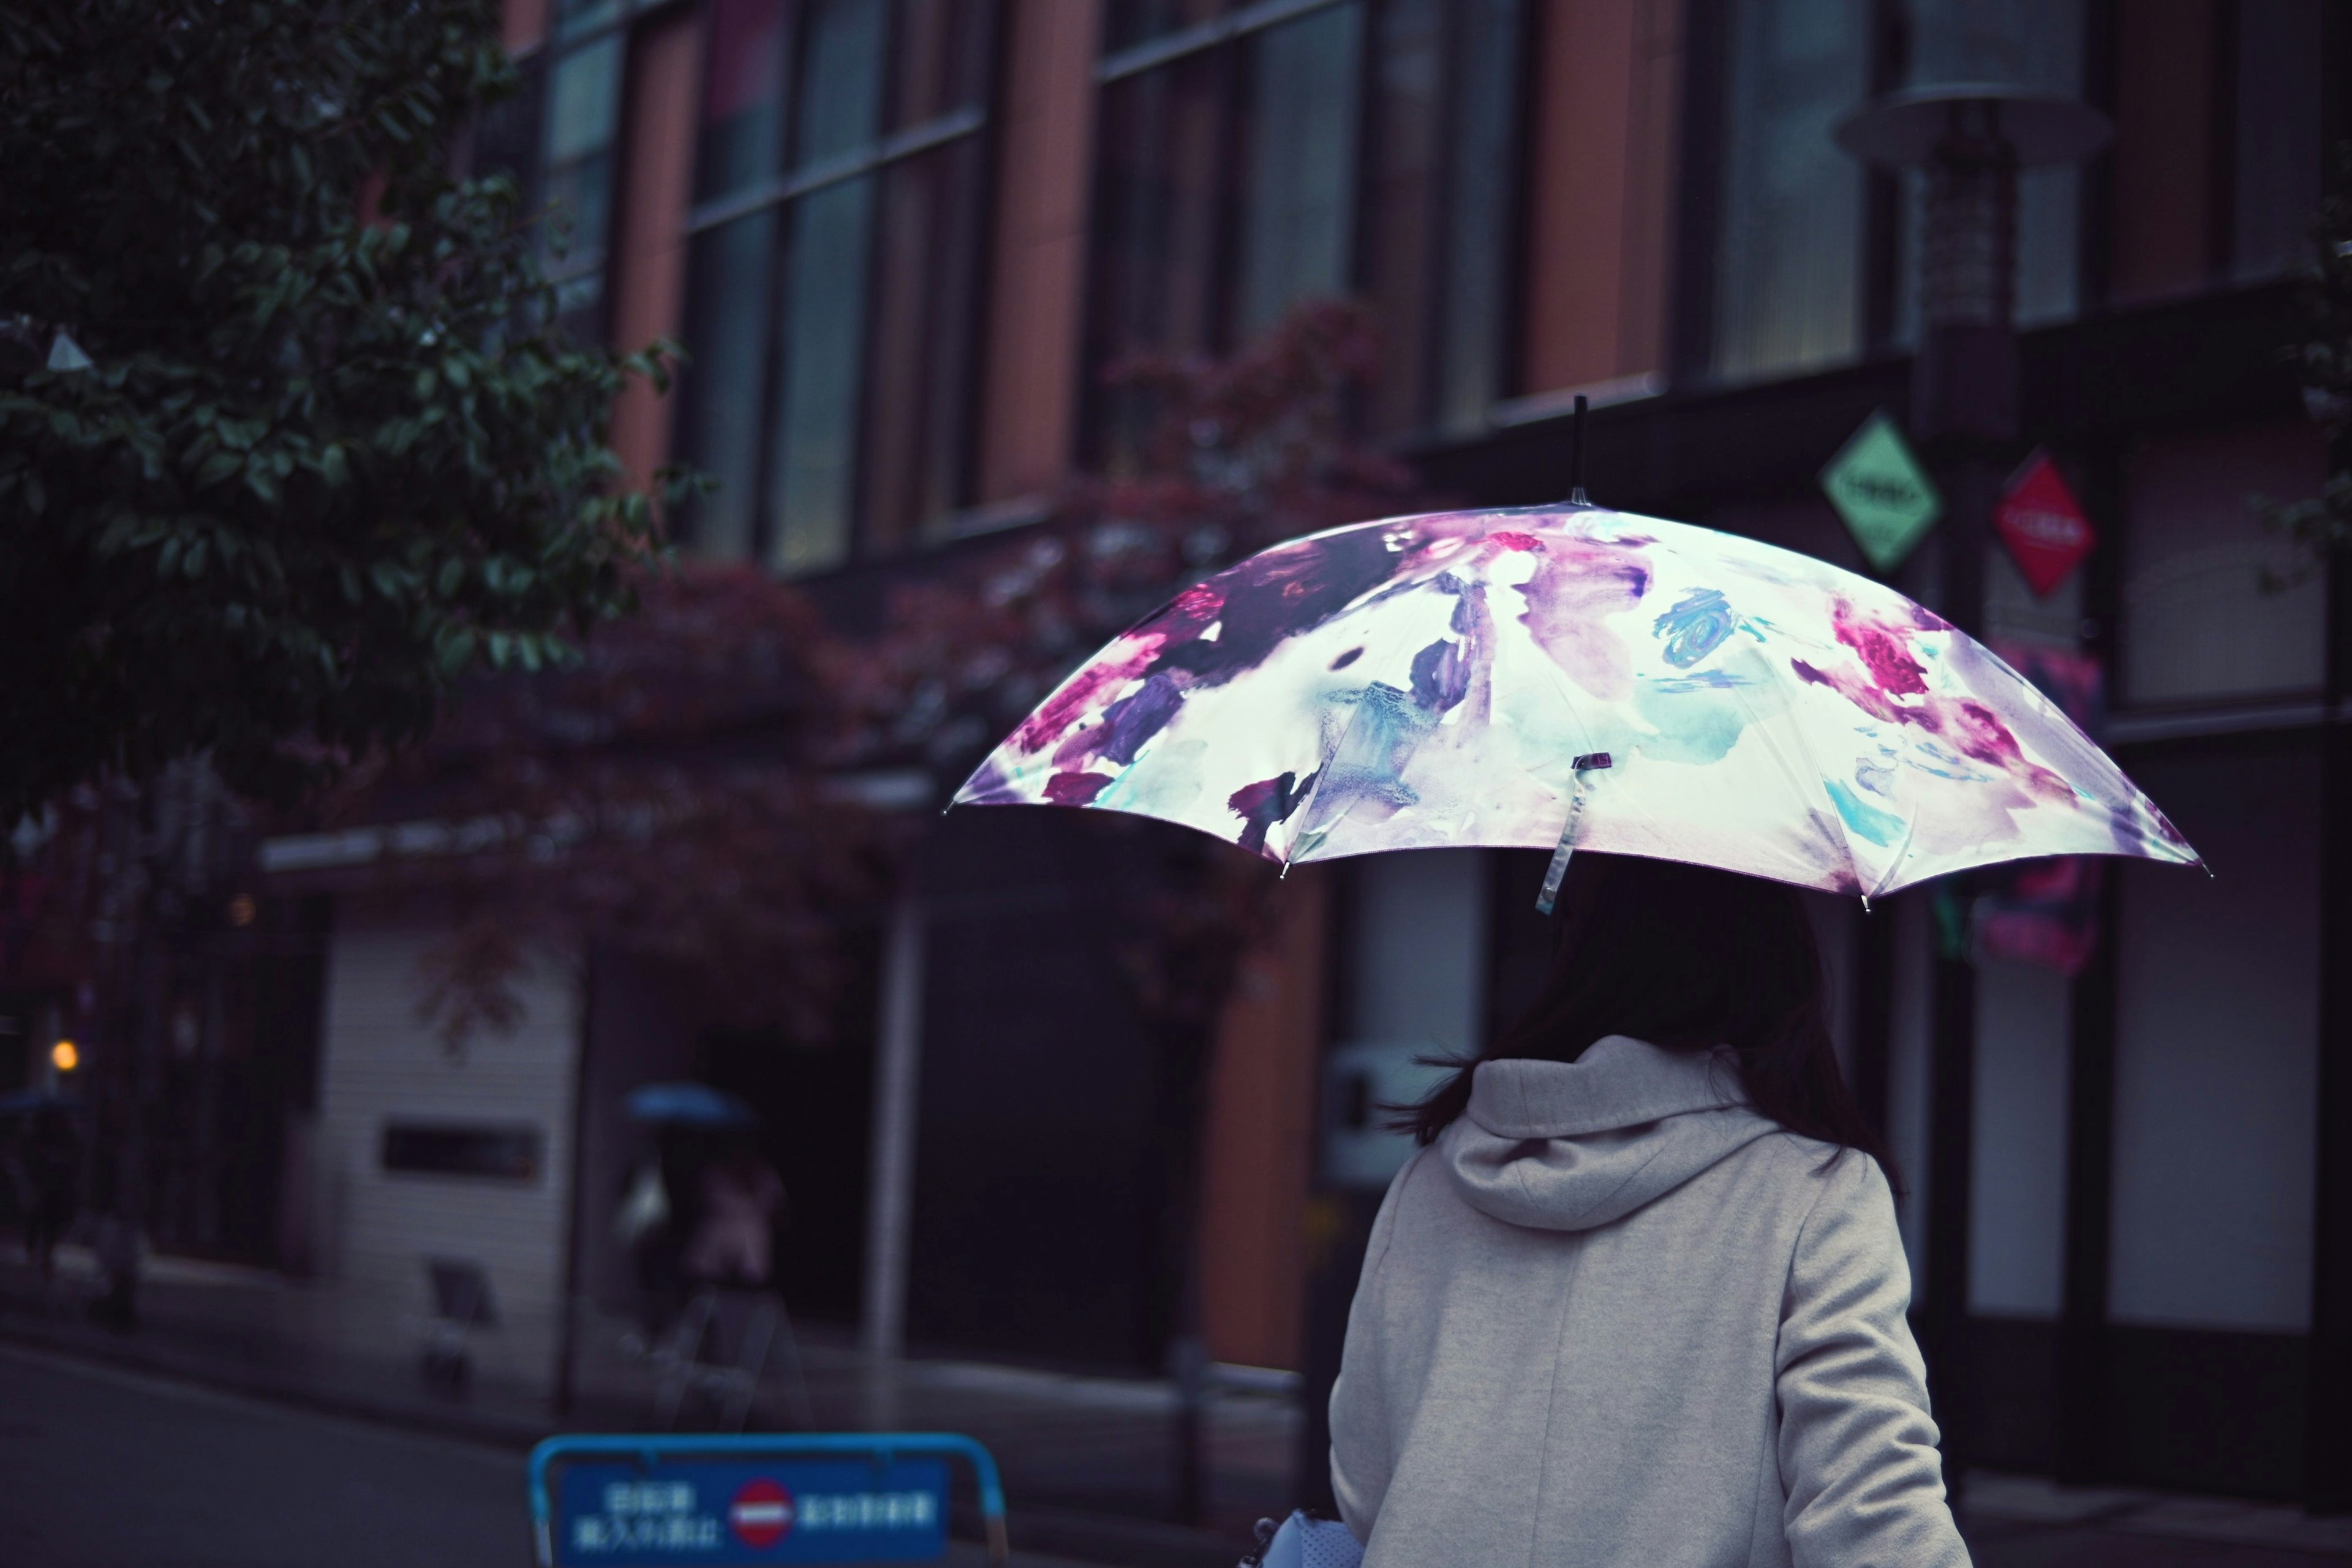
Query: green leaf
point(456, 651)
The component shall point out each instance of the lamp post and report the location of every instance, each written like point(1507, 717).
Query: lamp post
point(1970, 139)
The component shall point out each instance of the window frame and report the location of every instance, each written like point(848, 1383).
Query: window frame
point(538, 61)
point(1234, 28)
point(1705, 124)
point(775, 194)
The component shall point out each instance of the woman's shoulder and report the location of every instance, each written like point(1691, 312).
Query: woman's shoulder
point(1820, 1171)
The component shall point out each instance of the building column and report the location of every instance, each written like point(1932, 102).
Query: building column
point(2080, 1395)
point(890, 1189)
point(2327, 1480)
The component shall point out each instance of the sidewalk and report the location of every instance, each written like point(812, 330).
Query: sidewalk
point(1088, 1462)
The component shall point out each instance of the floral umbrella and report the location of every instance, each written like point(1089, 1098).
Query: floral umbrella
point(1565, 677)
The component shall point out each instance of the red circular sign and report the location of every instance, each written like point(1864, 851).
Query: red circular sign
point(761, 1513)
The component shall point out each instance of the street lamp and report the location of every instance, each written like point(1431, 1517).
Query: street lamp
point(1970, 139)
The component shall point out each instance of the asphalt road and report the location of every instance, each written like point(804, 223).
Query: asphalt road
point(101, 1468)
point(106, 1469)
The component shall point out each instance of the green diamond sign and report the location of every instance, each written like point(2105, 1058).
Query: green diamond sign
point(1885, 497)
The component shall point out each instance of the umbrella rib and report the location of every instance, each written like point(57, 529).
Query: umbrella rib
point(1322, 777)
point(1323, 772)
point(1813, 762)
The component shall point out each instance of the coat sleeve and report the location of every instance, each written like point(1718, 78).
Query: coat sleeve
point(1361, 1457)
point(1857, 1446)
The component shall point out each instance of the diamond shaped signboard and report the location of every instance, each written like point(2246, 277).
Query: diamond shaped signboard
point(1885, 496)
point(2042, 524)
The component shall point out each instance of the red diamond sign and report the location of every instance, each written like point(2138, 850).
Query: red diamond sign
point(2042, 524)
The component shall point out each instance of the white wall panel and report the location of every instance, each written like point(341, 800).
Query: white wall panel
point(380, 1063)
point(2017, 1212)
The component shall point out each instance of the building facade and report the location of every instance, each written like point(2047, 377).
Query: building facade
point(901, 239)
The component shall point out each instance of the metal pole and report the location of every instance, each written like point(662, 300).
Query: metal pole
point(565, 1394)
point(890, 1191)
point(1964, 409)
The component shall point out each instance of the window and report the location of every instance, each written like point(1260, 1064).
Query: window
point(834, 274)
point(1787, 264)
point(504, 1152)
point(2217, 607)
point(2274, 167)
point(559, 137)
point(1794, 279)
point(1253, 157)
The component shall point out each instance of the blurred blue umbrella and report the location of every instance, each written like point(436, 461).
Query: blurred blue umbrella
point(688, 1105)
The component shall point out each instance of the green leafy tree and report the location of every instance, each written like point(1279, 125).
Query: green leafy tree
point(288, 443)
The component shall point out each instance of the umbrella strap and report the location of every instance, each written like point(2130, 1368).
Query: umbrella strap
point(1557, 871)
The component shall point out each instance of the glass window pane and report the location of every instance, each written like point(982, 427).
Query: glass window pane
point(507, 135)
point(1130, 22)
point(2276, 196)
point(940, 60)
point(743, 95)
point(729, 283)
point(1407, 134)
point(1298, 176)
point(920, 370)
point(1161, 151)
point(1476, 237)
point(2038, 45)
point(821, 341)
point(841, 79)
point(583, 104)
point(1788, 270)
point(2216, 604)
point(577, 18)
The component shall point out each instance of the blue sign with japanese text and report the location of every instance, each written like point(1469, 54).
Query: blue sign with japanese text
point(625, 1515)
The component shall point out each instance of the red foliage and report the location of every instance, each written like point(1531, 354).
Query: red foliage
point(1243, 453)
point(666, 796)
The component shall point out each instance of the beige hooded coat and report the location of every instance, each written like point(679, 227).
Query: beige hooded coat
point(1614, 1318)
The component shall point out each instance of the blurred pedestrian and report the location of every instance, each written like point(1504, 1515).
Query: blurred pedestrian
point(50, 1186)
point(1640, 1296)
point(650, 1224)
point(734, 1239)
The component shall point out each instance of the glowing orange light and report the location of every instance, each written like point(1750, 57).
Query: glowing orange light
point(65, 1056)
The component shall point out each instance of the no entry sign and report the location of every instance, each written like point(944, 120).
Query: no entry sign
point(633, 1515)
point(761, 1513)
point(2042, 524)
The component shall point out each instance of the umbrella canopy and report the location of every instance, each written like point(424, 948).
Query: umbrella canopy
point(1547, 676)
point(688, 1105)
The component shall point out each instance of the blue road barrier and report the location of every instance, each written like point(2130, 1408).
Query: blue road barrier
point(753, 1497)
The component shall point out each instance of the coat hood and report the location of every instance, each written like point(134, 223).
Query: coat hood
point(1571, 1145)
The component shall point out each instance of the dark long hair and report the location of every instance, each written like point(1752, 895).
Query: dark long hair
point(1687, 958)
